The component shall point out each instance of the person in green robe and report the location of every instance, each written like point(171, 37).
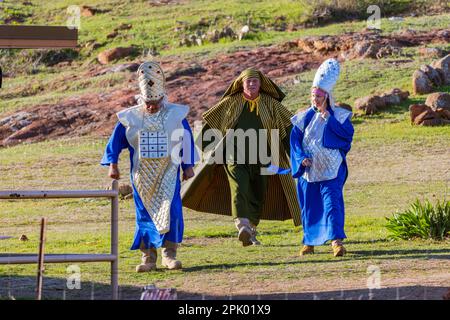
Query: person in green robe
point(238, 184)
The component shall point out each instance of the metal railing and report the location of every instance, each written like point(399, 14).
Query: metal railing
point(113, 257)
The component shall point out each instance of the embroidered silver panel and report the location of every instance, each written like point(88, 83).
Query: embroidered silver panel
point(153, 144)
point(156, 176)
point(325, 161)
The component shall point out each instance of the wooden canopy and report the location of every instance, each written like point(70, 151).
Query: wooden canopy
point(34, 37)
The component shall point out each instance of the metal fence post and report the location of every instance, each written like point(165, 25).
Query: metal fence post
point(40, 273)
point(115, 241)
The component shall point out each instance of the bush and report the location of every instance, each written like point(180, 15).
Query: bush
point(421, 221)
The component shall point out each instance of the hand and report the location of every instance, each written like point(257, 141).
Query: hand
point(114, 172)
point(325, 114)
point(188, 173)
point(307, 162)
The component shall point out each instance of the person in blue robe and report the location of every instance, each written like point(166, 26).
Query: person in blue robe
point(320, 140)
point(149, 234)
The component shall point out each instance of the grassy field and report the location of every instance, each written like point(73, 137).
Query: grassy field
point(390, 165)
point(383, 178)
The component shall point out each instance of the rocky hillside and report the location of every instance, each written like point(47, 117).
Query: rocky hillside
point(77, 92)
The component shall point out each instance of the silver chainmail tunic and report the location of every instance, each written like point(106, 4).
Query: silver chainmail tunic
point(325, 161)
point(156, 174)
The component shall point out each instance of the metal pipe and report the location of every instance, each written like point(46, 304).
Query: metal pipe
point(54, 258)
point(61, 258)
point(40, 272)
point(115, 241)
point(54, 194)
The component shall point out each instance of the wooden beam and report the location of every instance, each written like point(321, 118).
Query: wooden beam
point(24, 37)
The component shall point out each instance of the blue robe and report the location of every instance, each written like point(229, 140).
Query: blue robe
point(322, 202)
point(145, 228)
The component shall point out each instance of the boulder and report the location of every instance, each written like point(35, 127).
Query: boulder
point(110, 55)
point(374, 103)
point(427, 114)
point(415, 110)
point(227, 32)
point(421, 83)
point(213, 36)
point(125, 189)
point(443, 67)
point(424, 115)
point(394, 97)
point(434, 122)
point(443, 113)
point(87, 11)
point(438, 100)
point(431, 52)
point(370, 104)
point(432, 74)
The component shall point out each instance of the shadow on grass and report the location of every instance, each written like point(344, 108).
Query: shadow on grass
point(366, 241)
point(405, 254)
point(394, 293)
point(351, 256)
point(23, 288)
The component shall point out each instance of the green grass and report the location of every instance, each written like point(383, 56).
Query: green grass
point(154, 25)
point(390, 165)
point(380, 183)
point(155, 28)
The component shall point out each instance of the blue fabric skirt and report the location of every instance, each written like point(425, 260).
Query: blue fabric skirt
point(322, 205)
point(146, 229)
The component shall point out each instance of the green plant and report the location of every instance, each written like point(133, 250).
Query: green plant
point(421, 220)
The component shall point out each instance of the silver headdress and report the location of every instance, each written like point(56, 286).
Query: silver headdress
point(152, 82)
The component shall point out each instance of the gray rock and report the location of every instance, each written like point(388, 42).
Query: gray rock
point(432, 74)
point(421, 83)
point(443, 67)
point(438, 100)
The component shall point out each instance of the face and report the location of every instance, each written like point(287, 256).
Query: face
point(251, 86)
point(153, 106)
point(318, 101)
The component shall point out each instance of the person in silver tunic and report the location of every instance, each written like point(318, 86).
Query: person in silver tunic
point(160, 143)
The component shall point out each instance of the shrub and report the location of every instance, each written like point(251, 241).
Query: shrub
point(421, 220)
